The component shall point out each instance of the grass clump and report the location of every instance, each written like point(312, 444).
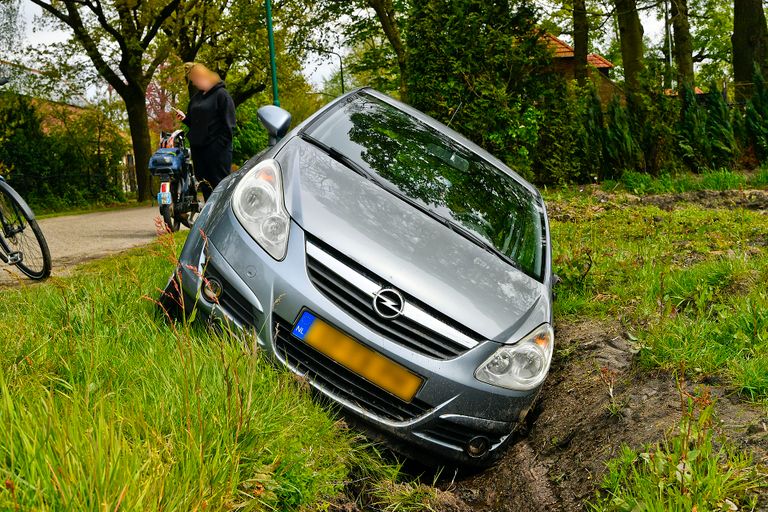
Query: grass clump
point(641, 183)
point(692, 470)
point(105, 406)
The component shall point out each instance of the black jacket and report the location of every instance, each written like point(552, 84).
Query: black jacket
point(211, 117)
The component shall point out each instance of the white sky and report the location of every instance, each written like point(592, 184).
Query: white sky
point(317, 68)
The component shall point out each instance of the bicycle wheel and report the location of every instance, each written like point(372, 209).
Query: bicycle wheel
point(22, 233)
point(172, 223)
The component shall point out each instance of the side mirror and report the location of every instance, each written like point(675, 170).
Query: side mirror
point(276, 120)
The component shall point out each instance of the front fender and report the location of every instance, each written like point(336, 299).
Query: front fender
point(6, 188)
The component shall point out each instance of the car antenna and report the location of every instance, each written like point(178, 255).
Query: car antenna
point(455, 112)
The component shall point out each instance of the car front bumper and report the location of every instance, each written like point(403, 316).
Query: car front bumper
point(266, 297)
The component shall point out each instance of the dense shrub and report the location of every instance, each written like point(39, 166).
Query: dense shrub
point(756, 118)
point(75, 162)
point(482, 68)
point(706, 136)
point(621, 149)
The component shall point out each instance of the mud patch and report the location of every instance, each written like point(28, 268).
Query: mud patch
point(747, 199)
point(577, 426)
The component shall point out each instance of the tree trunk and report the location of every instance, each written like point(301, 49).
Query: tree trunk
point(750, 44)
point(683, 50)
point(136, 106)
point(631, 39)
point(667, 48)
point(385, 12)
point(580, 41)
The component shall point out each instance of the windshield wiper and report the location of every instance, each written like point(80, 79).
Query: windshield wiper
point(450, 224)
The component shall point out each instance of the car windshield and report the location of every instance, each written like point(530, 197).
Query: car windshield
point(440, 174)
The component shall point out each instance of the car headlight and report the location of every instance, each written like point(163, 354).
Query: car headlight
point(522, 365)
point(259, 205)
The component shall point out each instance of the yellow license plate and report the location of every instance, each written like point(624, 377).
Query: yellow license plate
point(367, 363)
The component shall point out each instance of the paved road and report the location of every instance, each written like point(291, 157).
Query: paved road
point(77, 238)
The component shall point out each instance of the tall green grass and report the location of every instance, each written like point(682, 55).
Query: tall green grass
point(104, 406)
point(690, 283)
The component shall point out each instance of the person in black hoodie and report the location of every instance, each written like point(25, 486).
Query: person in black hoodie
point(211, 120)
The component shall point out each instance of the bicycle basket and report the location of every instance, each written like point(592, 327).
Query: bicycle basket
point(166, 161)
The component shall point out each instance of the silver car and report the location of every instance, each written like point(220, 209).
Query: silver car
point(400, 268)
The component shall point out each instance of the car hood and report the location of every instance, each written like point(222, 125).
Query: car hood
point(407, 248)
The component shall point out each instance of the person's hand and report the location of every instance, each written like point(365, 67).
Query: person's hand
point(180, 115)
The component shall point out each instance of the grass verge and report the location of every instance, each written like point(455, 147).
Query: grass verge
point(105, 406)
point(43, 213)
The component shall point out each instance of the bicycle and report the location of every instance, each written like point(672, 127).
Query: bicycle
point(22, 243)
point(178, 199)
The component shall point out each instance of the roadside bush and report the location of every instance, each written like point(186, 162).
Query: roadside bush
point(760, 178)
point(621, 149)
point(72, 158)
point(706, 136)
point(638, 182)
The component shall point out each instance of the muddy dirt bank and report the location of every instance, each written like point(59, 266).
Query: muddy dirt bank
point(577, 427)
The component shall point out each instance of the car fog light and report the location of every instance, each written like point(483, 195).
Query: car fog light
point(522, 365)
point(478, 446)
point(212, 289)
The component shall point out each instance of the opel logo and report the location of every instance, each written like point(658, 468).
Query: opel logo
point(388, 303)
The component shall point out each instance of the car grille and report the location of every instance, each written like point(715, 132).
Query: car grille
point(231, 300)
point(358, 303)
point(339, 381)
point(457, 435)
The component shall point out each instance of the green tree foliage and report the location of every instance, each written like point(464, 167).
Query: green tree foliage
point(250, 136)
point(11, 26)
point(230, 37)
point(374, 29)
point(120, 39)
point(481, 67)
point(711, 26)
point(75, 161)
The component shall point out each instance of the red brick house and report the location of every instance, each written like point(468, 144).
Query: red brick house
point(565, 64)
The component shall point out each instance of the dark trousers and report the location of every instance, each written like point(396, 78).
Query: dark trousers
point(213, 163)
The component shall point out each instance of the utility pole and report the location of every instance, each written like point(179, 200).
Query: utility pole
point(271, 35)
